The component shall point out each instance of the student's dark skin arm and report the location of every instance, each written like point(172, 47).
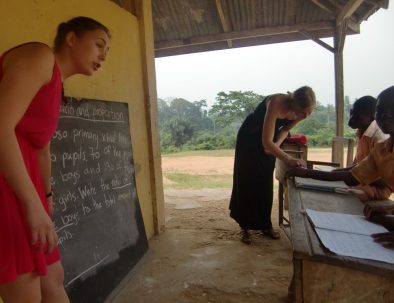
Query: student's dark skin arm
point(345, 176)
point(386, 239)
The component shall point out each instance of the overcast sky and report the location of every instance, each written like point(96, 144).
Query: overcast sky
point(266, 69)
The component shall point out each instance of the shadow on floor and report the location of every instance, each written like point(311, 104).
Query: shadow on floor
point(199, 257)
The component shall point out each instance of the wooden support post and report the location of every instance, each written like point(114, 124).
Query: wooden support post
point(144, 14)
point(339, 41)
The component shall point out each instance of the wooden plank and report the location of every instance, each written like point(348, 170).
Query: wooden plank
point(144, 13)
point(187, 49)
point(299, 236)
point(335, 3)
point(290, 12)
point(380, 3)
point(298, 281)
point(353, 26)
point(350, 7)
point(259, 32)
point(280, 203)
point(224, 21)
point(306, 244)
point(318, 41)
point(339, 38)
point(328, 7)
point(327, 283)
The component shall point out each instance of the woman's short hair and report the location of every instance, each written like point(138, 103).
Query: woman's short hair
point(78, 25)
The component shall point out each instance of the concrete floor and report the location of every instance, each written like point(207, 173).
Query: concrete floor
point(199, 257)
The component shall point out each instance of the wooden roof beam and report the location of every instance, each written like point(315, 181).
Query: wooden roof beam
point(340, 36)
point(353, 26)
point(223, 20)
point(379, 3)
point(335, 4)
point(375, 5)
point(327, 6)
point(318, 41)
point(259, 32)
point(347, 11)
point(290, 13)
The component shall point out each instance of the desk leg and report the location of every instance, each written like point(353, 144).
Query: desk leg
point(297, 280)
point(280, 203)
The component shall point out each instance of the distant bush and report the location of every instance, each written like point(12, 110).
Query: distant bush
point(210, 140)
point(186, 126)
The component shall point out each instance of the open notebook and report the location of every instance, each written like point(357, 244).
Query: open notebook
point(330, 186)
point(349, 235)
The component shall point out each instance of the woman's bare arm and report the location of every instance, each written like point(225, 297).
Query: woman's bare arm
point(284, 132)
point(25, 70)
point(274, 107)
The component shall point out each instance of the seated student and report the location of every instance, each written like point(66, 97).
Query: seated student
point(362, 118)
point(379, 164)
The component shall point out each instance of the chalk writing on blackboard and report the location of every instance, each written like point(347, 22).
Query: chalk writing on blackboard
point(97, 214)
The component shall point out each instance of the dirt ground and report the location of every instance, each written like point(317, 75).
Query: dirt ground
point(199, 257)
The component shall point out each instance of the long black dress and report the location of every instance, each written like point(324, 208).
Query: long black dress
point(252, 194)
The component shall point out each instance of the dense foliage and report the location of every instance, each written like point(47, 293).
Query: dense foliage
point(186, 125)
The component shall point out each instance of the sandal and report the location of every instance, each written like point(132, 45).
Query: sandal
point(273, 234)
point(245, 236)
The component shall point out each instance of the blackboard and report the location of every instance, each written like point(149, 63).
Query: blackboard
point(97, 214)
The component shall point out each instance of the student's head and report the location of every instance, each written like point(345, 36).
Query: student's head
point(385, 111)
point(302, 102)
point(362, 112)
point(85, 41)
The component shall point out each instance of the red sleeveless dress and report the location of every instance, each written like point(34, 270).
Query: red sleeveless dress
point(33, 132)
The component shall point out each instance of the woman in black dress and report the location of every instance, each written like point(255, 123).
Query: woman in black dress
point(258, 142)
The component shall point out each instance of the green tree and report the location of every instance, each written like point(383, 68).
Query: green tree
point(180, 130)
point(164, 111)
point(308, 126)
point(195, 112)
point(233, 107)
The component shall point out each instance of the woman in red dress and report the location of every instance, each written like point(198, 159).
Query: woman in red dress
point(31, 78)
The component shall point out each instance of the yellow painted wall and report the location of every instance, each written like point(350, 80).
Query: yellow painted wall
point(121, 78)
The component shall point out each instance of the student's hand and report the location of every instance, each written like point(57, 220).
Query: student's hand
point(41, 228)
point(373, 211)
point(294, 162)
point(363, 197)
point(369, 193)
point(386, 239)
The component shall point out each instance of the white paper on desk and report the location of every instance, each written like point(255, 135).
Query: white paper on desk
point(324, 167)
point(349, 235)
point(318, 184)
point(344, 222)
point(354, 245)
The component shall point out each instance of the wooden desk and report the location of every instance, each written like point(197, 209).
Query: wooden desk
point(320, 276)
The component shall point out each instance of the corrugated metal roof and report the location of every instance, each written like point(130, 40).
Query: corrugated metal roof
point(186, 26)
